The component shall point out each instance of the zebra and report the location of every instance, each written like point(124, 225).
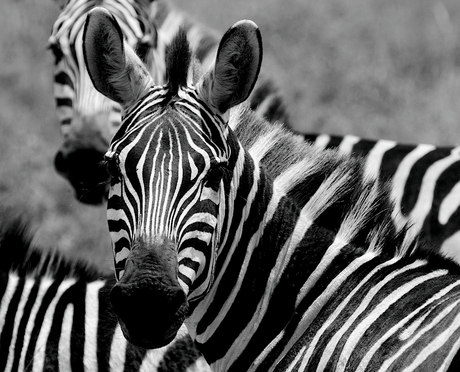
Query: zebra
point(425, 181)
point(55, 315)
point(87, 119)
point(276, 255)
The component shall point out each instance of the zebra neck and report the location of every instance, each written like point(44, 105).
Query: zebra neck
point(267, 238)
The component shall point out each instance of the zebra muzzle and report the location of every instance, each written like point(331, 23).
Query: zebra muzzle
point(150, 304)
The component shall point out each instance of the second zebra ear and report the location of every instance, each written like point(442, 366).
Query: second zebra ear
point(234, 74)
point(114, 68)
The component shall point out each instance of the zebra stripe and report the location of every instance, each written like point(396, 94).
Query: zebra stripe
point(291, 259)
point(54, 315)
point(73, 91)
point(87, 119)
point(423, 180)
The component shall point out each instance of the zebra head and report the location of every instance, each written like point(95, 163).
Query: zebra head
point(171, 165)
point(87, 118)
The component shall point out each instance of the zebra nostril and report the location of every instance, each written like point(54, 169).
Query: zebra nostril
point(145, 301)
point(124, 302)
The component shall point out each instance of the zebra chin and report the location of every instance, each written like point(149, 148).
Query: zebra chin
point(149, 302)
point(149, 338)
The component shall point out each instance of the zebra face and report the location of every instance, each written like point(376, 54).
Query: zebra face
point(170, 172)
point(163, 212)
point(87, 118)
point(166, 178)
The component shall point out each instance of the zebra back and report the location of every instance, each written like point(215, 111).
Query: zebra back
point(424, 181)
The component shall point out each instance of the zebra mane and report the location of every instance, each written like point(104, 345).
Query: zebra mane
point(265, 93)
point(178, 59)
point(358, 210)
point(19, 255)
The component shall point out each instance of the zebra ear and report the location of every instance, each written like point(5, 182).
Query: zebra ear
point(234, 74)
point(114, 68)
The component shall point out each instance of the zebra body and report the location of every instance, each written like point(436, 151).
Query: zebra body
point(87, 119)
point(278, 256)
point(425, 184)
point(55, 315)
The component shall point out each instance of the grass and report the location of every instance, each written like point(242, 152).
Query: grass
point(379, 69)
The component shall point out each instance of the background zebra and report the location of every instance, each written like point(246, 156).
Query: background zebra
point(425, 184)
point(55, 315)
point(223, 231)
point(87, 119)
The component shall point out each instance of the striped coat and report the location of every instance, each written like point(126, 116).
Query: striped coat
point(276, 255)
point(425, 184)
point(424, 178)
point(55, 315)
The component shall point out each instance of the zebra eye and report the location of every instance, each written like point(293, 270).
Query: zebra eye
point(112, 166)
point(142, 50)
point(215, 175)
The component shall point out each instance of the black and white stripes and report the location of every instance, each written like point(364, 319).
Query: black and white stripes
point(424, 181)
point(55, 315)
point(87, 119)
point(425, 184)
point(291, 262)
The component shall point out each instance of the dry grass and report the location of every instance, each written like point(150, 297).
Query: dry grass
point(380, 69)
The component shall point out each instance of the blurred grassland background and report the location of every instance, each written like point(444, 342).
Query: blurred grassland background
point(373, 68)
